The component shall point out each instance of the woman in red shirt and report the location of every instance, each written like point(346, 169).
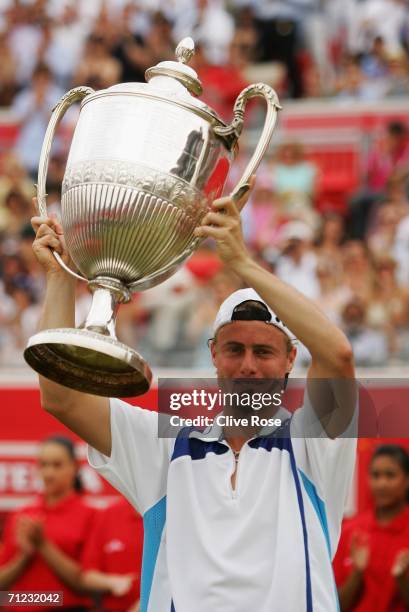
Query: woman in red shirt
point(372, 561)
point(43, 543)
point(112, 557)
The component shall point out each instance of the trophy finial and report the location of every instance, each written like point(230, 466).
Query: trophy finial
point(179, 70)
point(185, 50)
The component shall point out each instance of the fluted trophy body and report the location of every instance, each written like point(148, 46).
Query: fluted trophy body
point(145, 164)
point(134, 191)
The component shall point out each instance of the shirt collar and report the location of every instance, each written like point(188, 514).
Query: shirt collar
point(215, 433)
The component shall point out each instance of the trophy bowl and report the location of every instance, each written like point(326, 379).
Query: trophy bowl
point(145, 164)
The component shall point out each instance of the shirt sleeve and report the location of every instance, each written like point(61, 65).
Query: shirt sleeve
point(139, 460)
point(92, 551)
point(8, 547)
point(342, 565)
point(326, 465)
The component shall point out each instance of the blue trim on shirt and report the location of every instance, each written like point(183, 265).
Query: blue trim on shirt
point(281, 439)
point(196, 448)
point(153, 522)
point(304, 529)
point(319, 507)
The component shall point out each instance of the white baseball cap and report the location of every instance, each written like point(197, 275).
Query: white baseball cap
point(296, 230)
point(227, 311)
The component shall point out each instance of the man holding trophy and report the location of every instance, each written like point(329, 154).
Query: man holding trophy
point(232, 523)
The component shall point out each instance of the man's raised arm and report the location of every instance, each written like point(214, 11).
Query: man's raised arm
point(331, 352)
point(86, 415)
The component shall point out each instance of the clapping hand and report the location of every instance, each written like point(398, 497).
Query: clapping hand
point(360, 551)
point(120, 584)
point(401, 563)
point(29, 534)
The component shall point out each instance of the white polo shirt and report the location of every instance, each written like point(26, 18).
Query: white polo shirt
point(265, 546)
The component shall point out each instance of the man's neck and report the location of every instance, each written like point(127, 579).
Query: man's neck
point(236, 442)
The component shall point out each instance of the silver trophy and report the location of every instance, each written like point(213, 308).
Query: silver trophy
point(145, 164)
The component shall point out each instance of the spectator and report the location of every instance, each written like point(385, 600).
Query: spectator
point(372, 561)
point(169, 305)
point(16, 212)
point(157, 44)
point(375, 63)
point(293, 174)
point(358, 269)
point(130, 49)
point(13, 177)
point(398, 82)
point(351, 80)
point(264, 217)
point(221, 83)
point(43, 543)
point(375, 68)
point(388, 309)
point(329, 242)
point(333, 295)
point(381, 18)
point(369, 346)
point(30, 263)
point(66, 44)
point(22, 324)
point(397, 190)
point(14, 273)
point(210, 23)
point(381, 239)
point(98, 68)
point(32, 108)
point(401, 250)
point(297, 262)
point(8, 68)
point(112, 557)
point(280, 26)
point(6, 313)
point(245, 39)
point(373, 72)
point(24, 25)
point(388, 157)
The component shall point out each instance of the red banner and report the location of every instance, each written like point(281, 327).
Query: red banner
point(25, 423)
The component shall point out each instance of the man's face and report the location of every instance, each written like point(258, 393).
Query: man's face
point(251, 349)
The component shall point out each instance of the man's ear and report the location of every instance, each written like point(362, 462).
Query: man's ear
point(213, 349)
point(291, 358)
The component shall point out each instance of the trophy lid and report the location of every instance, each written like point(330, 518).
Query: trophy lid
point(173, 81)
point(179, 70)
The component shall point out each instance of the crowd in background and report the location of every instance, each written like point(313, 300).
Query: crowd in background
point(354, 263)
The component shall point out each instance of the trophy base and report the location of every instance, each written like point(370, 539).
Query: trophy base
point(89, 362)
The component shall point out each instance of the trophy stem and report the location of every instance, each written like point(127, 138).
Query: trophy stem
point(107, 294)
point(102, 315)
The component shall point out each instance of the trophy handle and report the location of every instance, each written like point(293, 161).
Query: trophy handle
point(233, 131)
point(59, 110)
